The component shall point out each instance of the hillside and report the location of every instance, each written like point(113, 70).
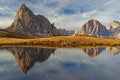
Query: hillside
point(11, 34)
point(65, 32)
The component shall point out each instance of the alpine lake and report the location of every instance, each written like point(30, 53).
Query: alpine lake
point(33, 63)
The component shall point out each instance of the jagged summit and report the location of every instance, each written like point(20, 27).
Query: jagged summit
point(23, 5)
point(94, 22)
point(26, 22)
point(92, 19)
point(23, 8)
point(93, 27)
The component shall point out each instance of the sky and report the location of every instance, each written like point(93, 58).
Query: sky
point(68, 14)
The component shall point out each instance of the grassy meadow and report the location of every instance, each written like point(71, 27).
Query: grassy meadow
point(62, 41)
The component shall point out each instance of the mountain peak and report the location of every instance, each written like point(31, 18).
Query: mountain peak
point(93, 27)
point(26, 22)
point(23, 8)
point(93, 20)
point(23, 5)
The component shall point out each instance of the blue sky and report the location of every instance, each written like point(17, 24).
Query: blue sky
point(68, 14)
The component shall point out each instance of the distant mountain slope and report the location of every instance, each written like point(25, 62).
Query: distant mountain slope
point(114, 29)
point(26, 22)
point(113, 25)
point(66, 32)
point(94, 28)
point(10, 34)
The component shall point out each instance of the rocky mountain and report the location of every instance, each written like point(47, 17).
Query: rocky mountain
point(114, 29)
point(26, 22)
point(27, 57)
point(113, 25)
point(94, 28)
point(65, 32)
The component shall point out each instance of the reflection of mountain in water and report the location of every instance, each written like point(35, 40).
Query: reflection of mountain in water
point(27, 57)
point(113, 50)
point(92, 52)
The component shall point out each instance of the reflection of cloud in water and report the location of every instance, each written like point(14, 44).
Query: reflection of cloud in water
point(6, 59)
point(66, 64)
point(27, 57)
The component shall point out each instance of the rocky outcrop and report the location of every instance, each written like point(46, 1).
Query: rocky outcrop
point(114, 29)
point(64, 32)
point(27, 57)
point(26, 22)
point(113, 25)
point(94, 28)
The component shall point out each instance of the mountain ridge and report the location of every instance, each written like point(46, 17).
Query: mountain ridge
point(65, 32)
point(34, 26)
point(95, 28)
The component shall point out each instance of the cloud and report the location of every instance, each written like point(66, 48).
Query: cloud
point(69, 14)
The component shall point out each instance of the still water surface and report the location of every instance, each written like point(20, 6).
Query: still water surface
point(60, 64)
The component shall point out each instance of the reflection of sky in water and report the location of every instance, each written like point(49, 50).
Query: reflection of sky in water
point(65, 64)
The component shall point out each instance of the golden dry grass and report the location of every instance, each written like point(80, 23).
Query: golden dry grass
point(62, 41)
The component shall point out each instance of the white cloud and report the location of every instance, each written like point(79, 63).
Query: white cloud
point(105, 11)
point(5, 22)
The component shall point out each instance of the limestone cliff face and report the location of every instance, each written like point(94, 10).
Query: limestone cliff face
point(26, 22)
point(94, 28)
point(27, 57)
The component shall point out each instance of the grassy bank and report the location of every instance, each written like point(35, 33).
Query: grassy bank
point(62, 41)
